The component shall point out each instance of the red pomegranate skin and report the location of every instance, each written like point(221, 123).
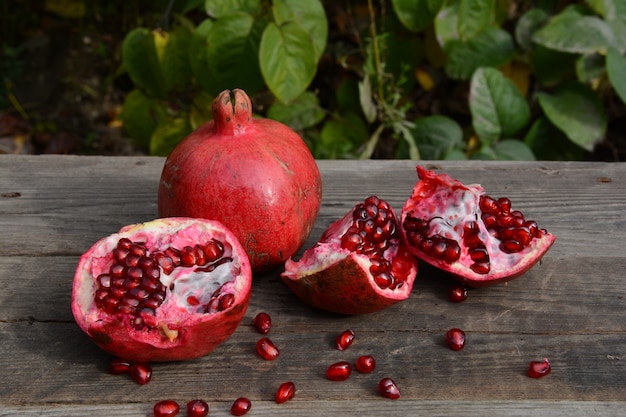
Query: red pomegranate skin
point(254, 175)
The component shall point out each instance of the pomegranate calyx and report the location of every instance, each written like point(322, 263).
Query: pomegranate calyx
point(232, 112)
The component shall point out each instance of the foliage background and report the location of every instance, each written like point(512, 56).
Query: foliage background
point(455, 79)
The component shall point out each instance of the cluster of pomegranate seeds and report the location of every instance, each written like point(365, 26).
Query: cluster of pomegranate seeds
point(267, 349)
point(285, 392)
point(132, 285)
point(388, 388)
point(373, 226)
point(365, 364)
point(166, 408)
point(457, 293)
point(339, 371)
point(240, 406)
point(538, 369)
point(437, 246)
point(455, 338)
point(263, 322)
point(345, 339)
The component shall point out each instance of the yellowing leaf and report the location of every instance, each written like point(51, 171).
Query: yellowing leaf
point(518, 72)
point(424, 79)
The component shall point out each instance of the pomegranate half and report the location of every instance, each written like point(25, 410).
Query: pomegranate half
point(164, 290)
point(461, 230)
point(254, 175)
point(360, 264)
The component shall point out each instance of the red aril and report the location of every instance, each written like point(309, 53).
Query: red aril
point(359, 265)
point(166, 408)
point(197, 408)
point(538, 369)
point(141, 372)
point(365, 364)
point(267, 349)
point(263, 322)
point(455, 338)
point(240, 406)
point(461, 230)
point(339, 371)
point(137, 297)
point(256, 176)
point(119, 366)
point(285, 392)
point(388, 388)
point(345, 339)
point(457, 293)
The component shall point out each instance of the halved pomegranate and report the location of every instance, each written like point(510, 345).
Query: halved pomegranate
point(461, 230)
point(360, 264)
point(169, 289)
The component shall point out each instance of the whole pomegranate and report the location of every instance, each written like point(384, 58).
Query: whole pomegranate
point(256, 176)
point(169, 289)
point(461, 230)
point(359, 265)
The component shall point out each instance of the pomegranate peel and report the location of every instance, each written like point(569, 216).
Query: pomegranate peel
point(170, 312)
point(459, 229)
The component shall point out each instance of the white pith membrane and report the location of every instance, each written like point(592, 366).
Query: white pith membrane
point(182, 283)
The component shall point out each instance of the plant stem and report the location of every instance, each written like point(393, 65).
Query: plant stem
point(379, 72)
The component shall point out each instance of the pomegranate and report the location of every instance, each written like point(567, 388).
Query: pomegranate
point(256, 176)
point(197, 408)
point(457, 293)
point(263, 322)
point(365, 364)
point(359, 265)
point(345, 339)
point(461, 230)
point(539, 369)
point(141, 372)
point(388, 389)
point(339, 371)
point(455, 338)
point(285, 392)
point(169, 289)
point(267, 349)
point(240, 406)
point(166, 408)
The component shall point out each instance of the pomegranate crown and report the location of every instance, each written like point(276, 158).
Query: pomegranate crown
point(232, 112)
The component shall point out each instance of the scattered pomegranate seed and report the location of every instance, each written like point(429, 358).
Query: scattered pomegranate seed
point(285, 392)
point(365, 364)
point(119, 366)
point(455, 338)
point(538, 369)
point(267, 349)
point(388, 388)
point(339, 371)
point(141, 372)
point(197, 408)
point(345, 339)
point(457, 293)
point(263, 322)
point(166, 408)
point(240, 406)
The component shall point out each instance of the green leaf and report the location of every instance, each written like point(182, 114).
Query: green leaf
point(341, 136)
point(616, 68)
point(549, 143)
point(446, 25)
point(614, 12)
point(367, 102)
point(310, 15)
point(513, 150)
point(232, 47)
point(550, 66)
point(570, 31)
point(220, 8)
point(437, 136)
point(577, 111)
point(490, 48)
point(590, 67)
point(175, 59)
point(140, 59)
point(141, 115)
point(287, 64)
point(198, 48)
point(497, 106)
point(168, 134)
point(474, 16)
point(527, 25)
point(416, 15)
point(302, 113)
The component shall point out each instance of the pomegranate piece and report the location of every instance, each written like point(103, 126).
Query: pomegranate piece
point(263, 322)
point(455, 338)
point(285, 392)
point(339, 371)
point(141, 372)
point(119, 366)
point(345, 339)
point(359, 265)
point(539, 369)
point(365, 364)
point(463, 231)
point(388, 388)
point(267, 349)
point(139, 298)
point(166, 408)
point(256, 176)
point(240, 406)
point(197, 408)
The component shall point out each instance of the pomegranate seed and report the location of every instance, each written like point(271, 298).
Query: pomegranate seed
point(455, 338)
point(457, 293)
point(365, 364)
point(119, 366)
point(285, 392)
point(141, 372)
point(197, 408)
point(345, 339)
point(166, 408)
point(538, 369)
point(388, 388)
point(267, 349)
point(339, 371)
point(240, 406)
point(263, 322)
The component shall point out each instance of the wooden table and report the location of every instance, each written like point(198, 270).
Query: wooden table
point(570, 308)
